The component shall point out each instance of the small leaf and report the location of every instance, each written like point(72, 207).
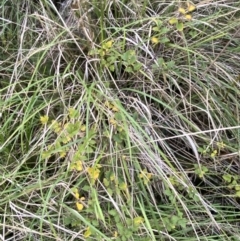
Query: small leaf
point(188, 16)
point(79, 206)
point(227, 178)
point(83, 128)
point(44, 119)
point(180, 26)
point(113, 212)
point(154, 40)
point(115, 108)
point(237, 194)
point(129, 69)
point(109, 44)
point(93, 172)
point(76, 193)
point(156, 29)
point(182, 10)
point(56, 126)
point(78, 166)
point(190, 7)
point(123, 186)
point(113, 122)
point(72, 113)
point(164, 30)
point(111, 68)
point(87, 233)
point(173, 21)
point(170, 64)
point(62, 154)
point(106, 182)
point(164, 40)
point(138, 220)
point(237, 187)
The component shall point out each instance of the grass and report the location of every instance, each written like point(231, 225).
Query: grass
point(125, 127)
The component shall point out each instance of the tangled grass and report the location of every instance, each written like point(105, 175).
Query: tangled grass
point(121, 123)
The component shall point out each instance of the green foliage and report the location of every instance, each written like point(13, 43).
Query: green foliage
point(111, 58)
point(200, 170)
point(233, 183)
point(175, 221)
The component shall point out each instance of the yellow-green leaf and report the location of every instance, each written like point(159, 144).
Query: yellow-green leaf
point(123, 186)
point(83, 128)
point(93, 173)
point(76, 193)
point(87, 233)
point(138, 220)
point(182, 10)
point(173, 20)
point(79, 166)
point(115, 109)
point(188, 16)
point(180, 26)
point(108, 44)
point(191, 7)
point(238, 194)
point(44, 119)
point(72, 113)
point(79, 206)
point(154, 40)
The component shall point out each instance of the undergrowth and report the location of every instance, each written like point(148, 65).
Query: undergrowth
point(121, 125)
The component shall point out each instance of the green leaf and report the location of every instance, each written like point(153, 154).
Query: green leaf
point(95, 223)
point(118, 116)
point(113, 212)
point(170, 64)
point(180, 26)
point(106, 182)
point(129, 69)
point(156, 29)
point(164, 30)
point(137, 66)
point(237, 194)
point(111, 68)
point(174, 220)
